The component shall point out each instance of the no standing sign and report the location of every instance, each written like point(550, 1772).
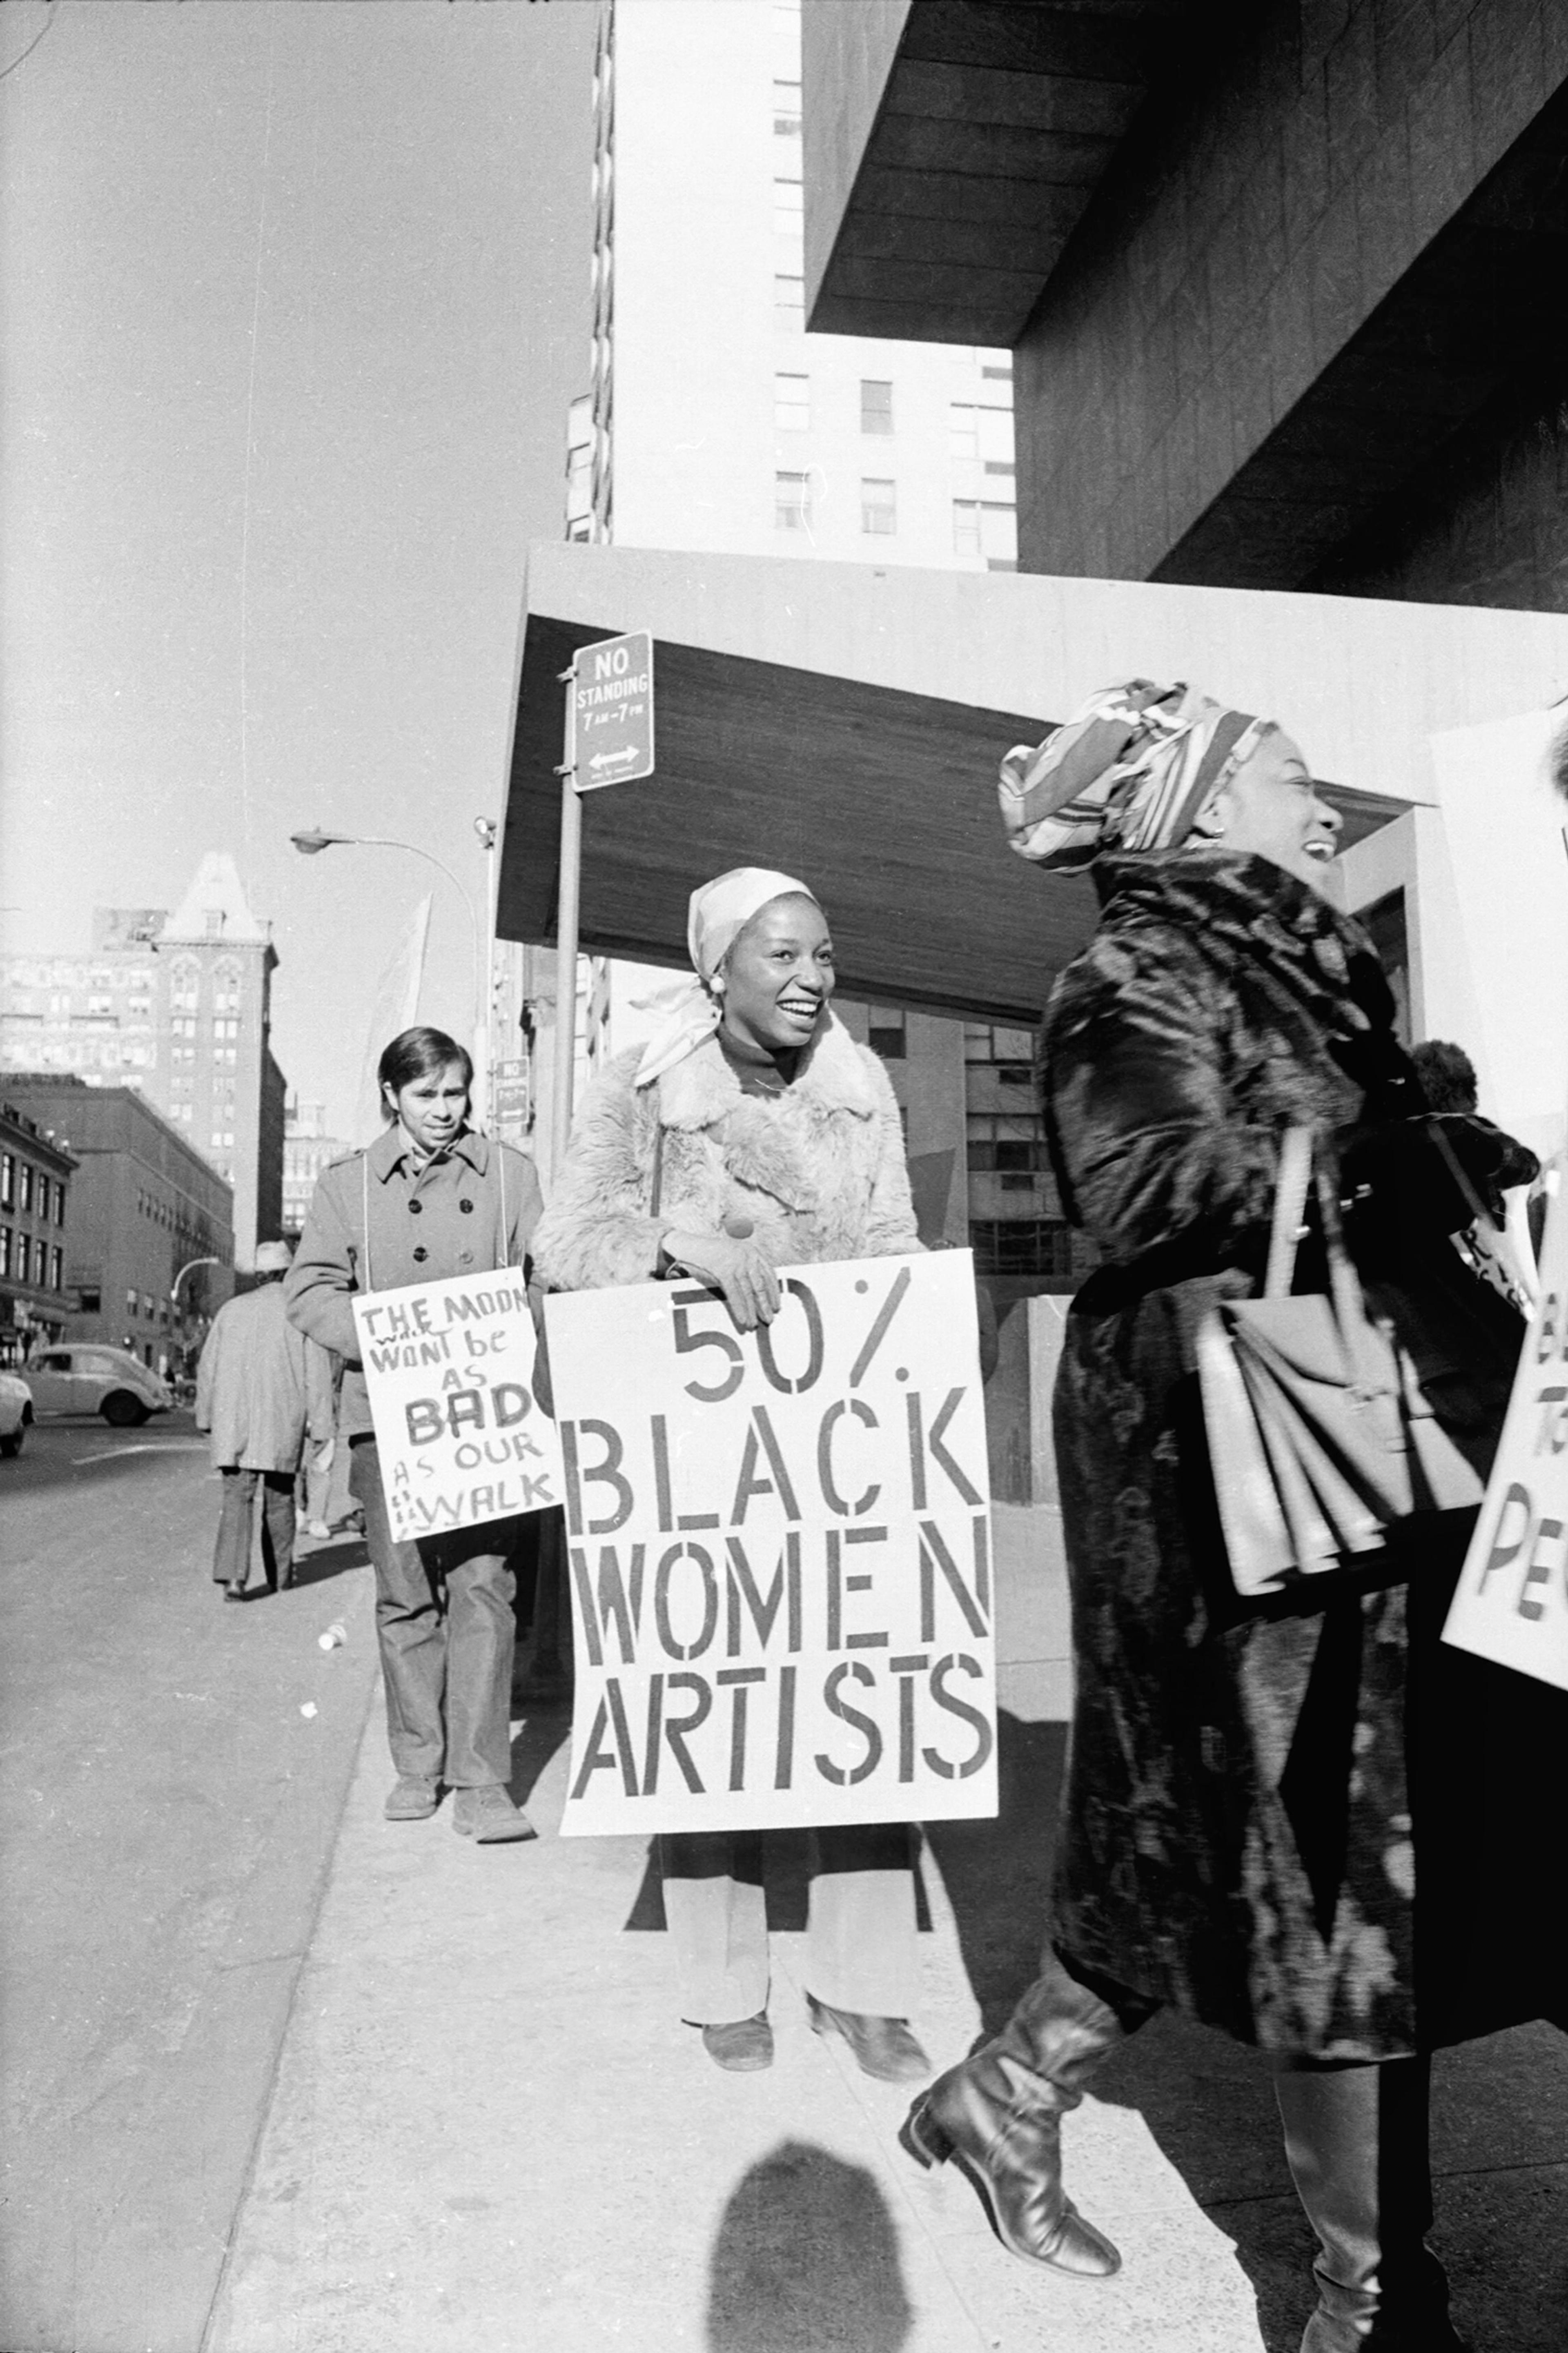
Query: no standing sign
point(612, 711)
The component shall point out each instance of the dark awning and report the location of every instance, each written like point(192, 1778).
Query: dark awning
point(883, 801)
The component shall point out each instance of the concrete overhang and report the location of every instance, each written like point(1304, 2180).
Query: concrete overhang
point(950, 147)
point(845, 723)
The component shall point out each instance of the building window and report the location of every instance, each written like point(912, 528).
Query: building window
point(886, 1032)
point(788, 207)
point(7, 1244)
point(23, 1259)
point(25, 1200)
point(57, 1269)
point(789, 302)
point(44, 1197)
point(7, 1180)
point(963, 429)
point(60, 1201)
point(986, 527)
point(1006, 1145)
point(878, 506)
point(875, 405)
point(131, 1303)
point(88, 1301)
point(792, 403)
point(984, 1044)
point(787, 110)
point(1021, 1246)
point(792, 501)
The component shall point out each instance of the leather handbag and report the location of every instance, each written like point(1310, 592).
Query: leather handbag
point(1321, 1435)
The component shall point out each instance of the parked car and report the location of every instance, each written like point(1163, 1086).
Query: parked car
point(16, 1412)
point(96, 1379)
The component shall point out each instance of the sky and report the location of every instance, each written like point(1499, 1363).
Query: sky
point(293, 298)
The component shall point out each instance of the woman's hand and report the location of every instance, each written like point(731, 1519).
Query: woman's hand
point(735, 1267)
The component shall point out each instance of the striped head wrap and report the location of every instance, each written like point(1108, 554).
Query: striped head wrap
point(1133, 769)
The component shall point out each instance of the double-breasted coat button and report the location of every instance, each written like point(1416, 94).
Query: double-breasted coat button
point(420, 1255)
point(466, 1206)
point(465, 1258)
point(415, 1208)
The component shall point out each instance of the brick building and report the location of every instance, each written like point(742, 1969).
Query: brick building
point(35, 1172)
point(178, 1005)
point(144, 1204)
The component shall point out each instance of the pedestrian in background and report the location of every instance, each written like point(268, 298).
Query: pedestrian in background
point(753, 1132)
point(428, 1200)
point(1293, 1820)
point(263, 1389)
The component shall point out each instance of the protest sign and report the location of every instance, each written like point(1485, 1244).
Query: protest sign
point(780, 1549)
point(449, 1368)
point(1512, 1603)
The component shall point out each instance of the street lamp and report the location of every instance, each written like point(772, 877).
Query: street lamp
point(312, 842)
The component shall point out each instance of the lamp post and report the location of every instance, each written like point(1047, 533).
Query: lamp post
point(312, 842)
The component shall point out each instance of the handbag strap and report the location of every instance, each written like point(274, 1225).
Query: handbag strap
point(1306, 1162)
point(1291, 1179)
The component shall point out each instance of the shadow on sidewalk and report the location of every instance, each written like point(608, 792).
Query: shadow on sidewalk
point(319, 1567)
point(806, 2256)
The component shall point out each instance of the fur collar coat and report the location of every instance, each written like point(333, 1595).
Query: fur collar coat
point(817, 1171)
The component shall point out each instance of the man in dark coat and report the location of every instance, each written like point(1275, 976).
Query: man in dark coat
point(262, 1389)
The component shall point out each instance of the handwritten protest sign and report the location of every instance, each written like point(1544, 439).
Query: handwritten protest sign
point(1512, 1603)
point(779, 1546)
point(449, 1368)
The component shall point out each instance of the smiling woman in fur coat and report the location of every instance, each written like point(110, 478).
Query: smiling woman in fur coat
point(753, 1132)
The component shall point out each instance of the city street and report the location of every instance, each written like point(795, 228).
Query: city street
point(244, 2113)
point(168, 1813)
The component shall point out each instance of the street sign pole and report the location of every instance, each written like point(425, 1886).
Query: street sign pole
point(567, 937)
point(610, 700)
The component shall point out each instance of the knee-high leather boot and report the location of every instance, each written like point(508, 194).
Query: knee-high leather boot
point(998, 2114)
point(1355, 2138)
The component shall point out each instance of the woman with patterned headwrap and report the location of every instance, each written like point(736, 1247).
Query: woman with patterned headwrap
point(753, 1132)
point(1267, 1821)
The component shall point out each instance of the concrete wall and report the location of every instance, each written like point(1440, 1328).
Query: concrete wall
point(847, 55)
point(1486, 523)
point(1246, 234)
point(1362, 684)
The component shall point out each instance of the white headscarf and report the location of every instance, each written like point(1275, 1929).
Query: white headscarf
point(719, 913)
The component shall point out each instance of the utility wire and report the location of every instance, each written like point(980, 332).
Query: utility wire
point(33, 44)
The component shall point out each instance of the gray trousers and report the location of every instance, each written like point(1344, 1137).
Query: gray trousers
point(861, 1951)
point(446, 1632)
point(231, 1553)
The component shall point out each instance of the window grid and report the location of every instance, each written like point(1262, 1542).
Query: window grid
point(878, 506)
point(791, 403)
point(792, 501)
point(875, 405)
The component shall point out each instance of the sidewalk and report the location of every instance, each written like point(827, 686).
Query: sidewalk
point(489, 2134)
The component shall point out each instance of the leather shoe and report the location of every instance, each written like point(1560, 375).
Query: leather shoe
point(883, 2047)
point(488, 1816)
point(743, 2045)
point(411, 1798)
point(234, 1593)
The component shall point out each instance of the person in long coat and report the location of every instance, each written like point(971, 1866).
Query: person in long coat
point(1282, 1817)
point(753, 1132)
point(262, 1389)
point(428, 1200)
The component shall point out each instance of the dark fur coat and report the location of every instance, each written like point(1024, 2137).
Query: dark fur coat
point(1288, 1819)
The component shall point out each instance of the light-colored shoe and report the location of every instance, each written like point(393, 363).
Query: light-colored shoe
point(318, 1530)
point(488, 1816)
point(741, 2044)
point(883, 2047)
point(412, 1799)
